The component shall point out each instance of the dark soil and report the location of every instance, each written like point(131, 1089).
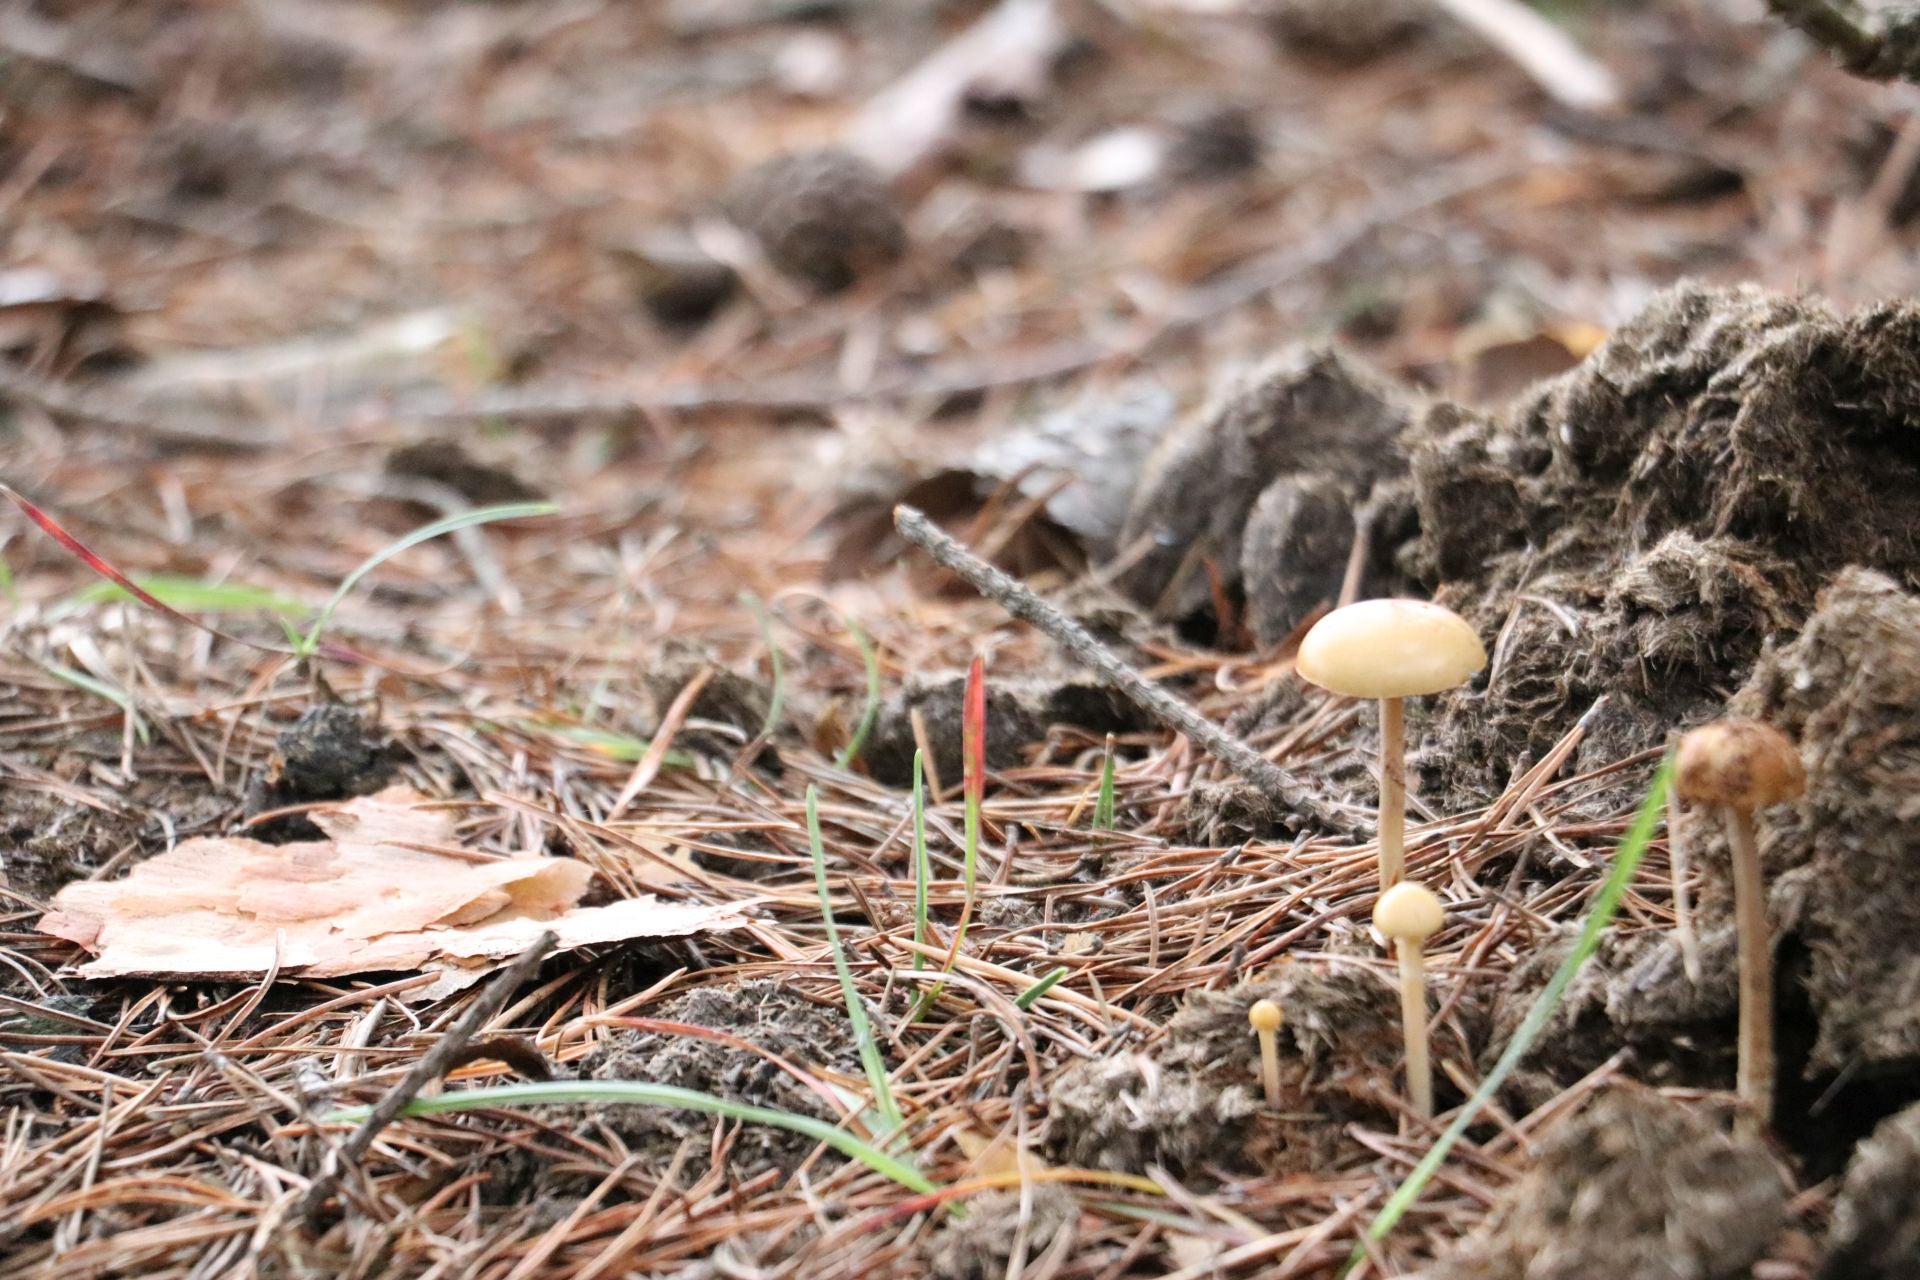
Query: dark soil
point(1314, 424)
point(981, 1245)
point(1019, 712)
point(1876, 1233)
point(47, 841)
point(813, 1037)
point(331, 752)
point(1635, 1185)
point(824, 217)
point(732, 704)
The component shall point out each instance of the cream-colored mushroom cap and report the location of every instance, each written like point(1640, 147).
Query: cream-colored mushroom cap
point(1264, 1015)
point(1390, 649)
point(1408, 911)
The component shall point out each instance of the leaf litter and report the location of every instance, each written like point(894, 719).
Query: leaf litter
point(388, 888)
point(1384, 182)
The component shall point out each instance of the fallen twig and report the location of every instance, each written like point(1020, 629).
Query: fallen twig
point(1080, 643)
point(1545, 52)
point(434, 1063)
point(1880, 46)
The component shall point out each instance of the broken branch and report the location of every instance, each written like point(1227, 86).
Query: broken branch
point(1081, 645)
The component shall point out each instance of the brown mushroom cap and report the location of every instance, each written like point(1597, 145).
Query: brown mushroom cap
point(1264, 1015)
point(1743, 764)
point(1390, 649)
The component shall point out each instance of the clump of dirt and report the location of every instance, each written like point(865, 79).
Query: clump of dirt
point(1343, 34)
point(1640, 526)
point(1230, 811)
point(1311, 423)
point(1876, 1233)
point(46, 842)
point(1018, 712)
point(1635, 994)
point(980, 1245)
point(1199, 1102)
point(449, 463)
point(331, 752)
point(825, 217)
point(729, 700)
point(1635, 1185)
point(764, 1013)
point(1214, 140)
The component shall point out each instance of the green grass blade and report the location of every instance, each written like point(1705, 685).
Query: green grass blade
point(1103, 806)
point(777, 703)
point(622, 747)
point(922, 863)
point(870, 658)
point(856, 1011)
point(640, 1093)
point(1025, 999)
point(425, 533)
point(101, 689)
point(973, 745)
point(195, 595)
point(1633, 846)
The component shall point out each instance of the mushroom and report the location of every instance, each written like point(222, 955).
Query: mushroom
point(1739, 766)
point(1264, 1015)
point(1390, 650)
point(1409, 914)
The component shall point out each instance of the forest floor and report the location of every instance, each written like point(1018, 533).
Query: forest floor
point(286, 281)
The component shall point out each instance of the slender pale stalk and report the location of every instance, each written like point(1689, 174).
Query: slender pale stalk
point(922, 863)
point(1678, 838)
point(1413, 1024)
point(1393, 791)
point(1755, 1077)
point(1270, 1066)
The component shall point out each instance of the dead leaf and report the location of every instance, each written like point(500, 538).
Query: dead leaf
point(388, 889)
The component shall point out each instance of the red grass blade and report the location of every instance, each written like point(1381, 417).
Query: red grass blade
point(93, 561)
point(973, 732)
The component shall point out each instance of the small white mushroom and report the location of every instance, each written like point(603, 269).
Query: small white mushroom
point(1740, 766)
point(1265, 1018)
point(1390, 650)
point(1408, 915)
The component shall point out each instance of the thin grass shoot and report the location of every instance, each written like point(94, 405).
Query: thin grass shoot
point(856, 1010)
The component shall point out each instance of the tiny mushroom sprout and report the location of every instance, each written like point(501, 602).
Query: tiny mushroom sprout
point(1264, 1016)
point(1739, 766)
point(1409, 914)
point(1390, 650)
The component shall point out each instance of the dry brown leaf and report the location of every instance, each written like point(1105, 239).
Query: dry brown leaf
point(388, 889)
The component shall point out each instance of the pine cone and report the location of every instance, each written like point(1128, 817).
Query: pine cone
point(824, 217)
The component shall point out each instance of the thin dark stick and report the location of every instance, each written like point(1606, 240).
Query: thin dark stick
point(1081, 645)
point(1881, 45)
point(435, 1062)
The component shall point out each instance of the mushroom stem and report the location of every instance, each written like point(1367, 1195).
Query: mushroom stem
point(1266, 1018)
point(1270, 1066)
point(1413, 1022)
point(1755, 1077)
point(1393, 791)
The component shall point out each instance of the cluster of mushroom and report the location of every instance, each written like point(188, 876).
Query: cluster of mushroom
point(1391, 650)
